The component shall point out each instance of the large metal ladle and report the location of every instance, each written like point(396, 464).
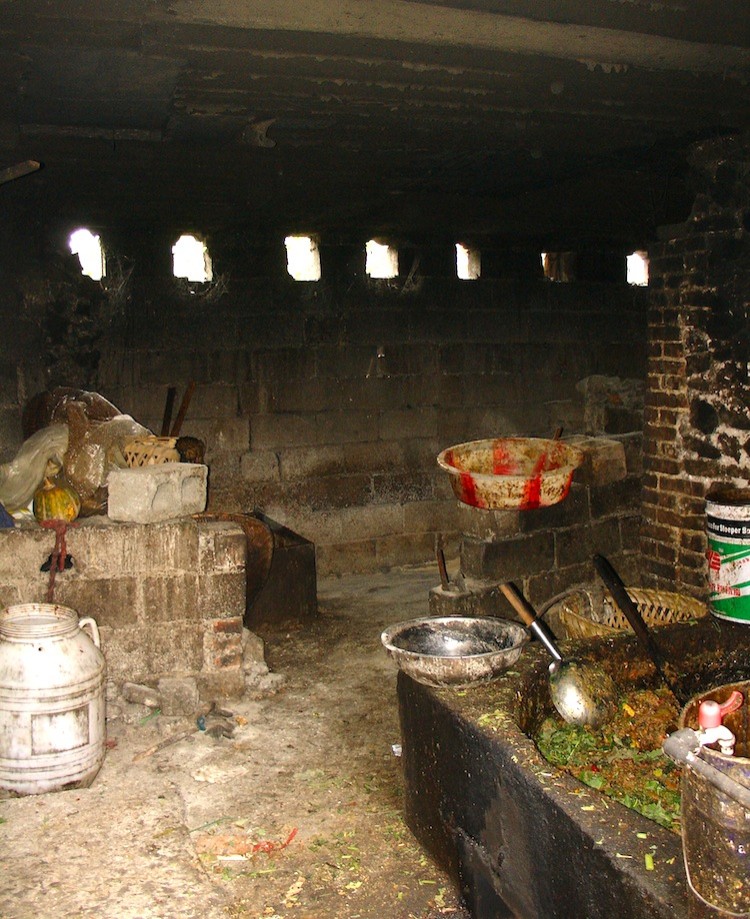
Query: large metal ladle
point(582, 693)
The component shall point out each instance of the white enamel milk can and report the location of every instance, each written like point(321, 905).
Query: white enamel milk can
point(52, 701)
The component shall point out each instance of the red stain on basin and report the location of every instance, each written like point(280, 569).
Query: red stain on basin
point(502, 463)
point(532, 490)
point(469, 490)
point(532, 494)
point(520, 473)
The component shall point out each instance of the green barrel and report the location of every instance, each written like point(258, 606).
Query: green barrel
point(728, 530)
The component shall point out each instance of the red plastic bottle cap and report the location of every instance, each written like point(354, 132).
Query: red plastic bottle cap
point(709, 714)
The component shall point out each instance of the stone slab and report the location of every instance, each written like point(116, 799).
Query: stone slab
point(604, 460)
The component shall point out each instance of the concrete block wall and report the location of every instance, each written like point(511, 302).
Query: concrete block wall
point(325, 405)
point(169, 598)
point(305, 421)
point(697, 424)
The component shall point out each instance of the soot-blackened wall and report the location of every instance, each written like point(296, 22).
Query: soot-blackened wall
point(325, 404)
point(697, 416)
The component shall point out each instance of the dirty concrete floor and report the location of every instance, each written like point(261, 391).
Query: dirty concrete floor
point(297, 816)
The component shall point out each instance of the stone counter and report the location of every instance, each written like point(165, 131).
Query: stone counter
point(523, 839)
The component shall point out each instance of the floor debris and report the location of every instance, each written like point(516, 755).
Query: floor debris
point(297, 815)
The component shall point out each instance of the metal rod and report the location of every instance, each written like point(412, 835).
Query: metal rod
point(168, 406)
point(20, 169)
point(177, 426)
point(445, 581)
point(683, 746)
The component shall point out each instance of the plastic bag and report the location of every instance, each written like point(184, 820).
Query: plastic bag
point(39, 455)
point(95, 448)
point(98, 434)
point(51, 407)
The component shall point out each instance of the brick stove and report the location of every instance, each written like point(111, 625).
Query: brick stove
point(169, 597)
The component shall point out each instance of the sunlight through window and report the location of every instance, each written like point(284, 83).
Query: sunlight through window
point(559, 266)
point(88, 247)
point(382, 260)
point(302, 258)
point(468, 263)
point(638, 269)
point(191, 259)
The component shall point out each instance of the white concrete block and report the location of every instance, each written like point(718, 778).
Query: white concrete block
point(152, 493)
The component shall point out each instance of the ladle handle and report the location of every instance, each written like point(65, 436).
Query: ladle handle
point(528, 615)
point(613, 581)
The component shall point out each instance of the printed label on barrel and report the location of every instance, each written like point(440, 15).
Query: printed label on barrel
point(729, 565)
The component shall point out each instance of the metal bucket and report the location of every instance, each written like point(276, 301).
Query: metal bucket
point(52, 701)
point(715, 827)
point(728, 529)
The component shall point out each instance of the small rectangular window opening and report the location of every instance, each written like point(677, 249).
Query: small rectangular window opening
point(468, 263)
point(88, 247)
point(637, 267)
point(381, 261)
point(190, 259)
point(559, 266)
point(302, 258)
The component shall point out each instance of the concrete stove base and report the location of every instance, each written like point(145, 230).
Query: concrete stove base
point(523, 839)
point(471, 598)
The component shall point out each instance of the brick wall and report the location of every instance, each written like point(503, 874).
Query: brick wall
point(304, 421)
point(169, 598)
point(697, 414)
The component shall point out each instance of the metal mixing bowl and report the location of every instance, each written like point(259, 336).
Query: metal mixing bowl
point(454, 651)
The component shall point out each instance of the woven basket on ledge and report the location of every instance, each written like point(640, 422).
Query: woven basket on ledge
point(594, 614)
point(151, 451)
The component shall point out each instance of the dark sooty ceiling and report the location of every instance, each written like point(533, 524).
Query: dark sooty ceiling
point(519, 119)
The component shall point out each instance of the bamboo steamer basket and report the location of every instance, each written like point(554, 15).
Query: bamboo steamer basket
point(594, 614)
point(151, 451)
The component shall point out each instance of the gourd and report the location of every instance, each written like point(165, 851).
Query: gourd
point(56, 500)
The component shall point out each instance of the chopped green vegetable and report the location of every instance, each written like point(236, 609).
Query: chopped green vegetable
point(623, 760)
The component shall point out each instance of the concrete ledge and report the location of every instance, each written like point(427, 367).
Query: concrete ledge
point(169, 598)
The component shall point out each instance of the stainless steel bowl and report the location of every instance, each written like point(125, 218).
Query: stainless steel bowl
point(454, 651)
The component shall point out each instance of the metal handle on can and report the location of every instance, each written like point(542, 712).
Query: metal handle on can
point(91, 623)
point(683, 746)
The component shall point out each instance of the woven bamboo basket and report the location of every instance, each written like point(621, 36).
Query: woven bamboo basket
point(594, 614)
point(151, 451)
